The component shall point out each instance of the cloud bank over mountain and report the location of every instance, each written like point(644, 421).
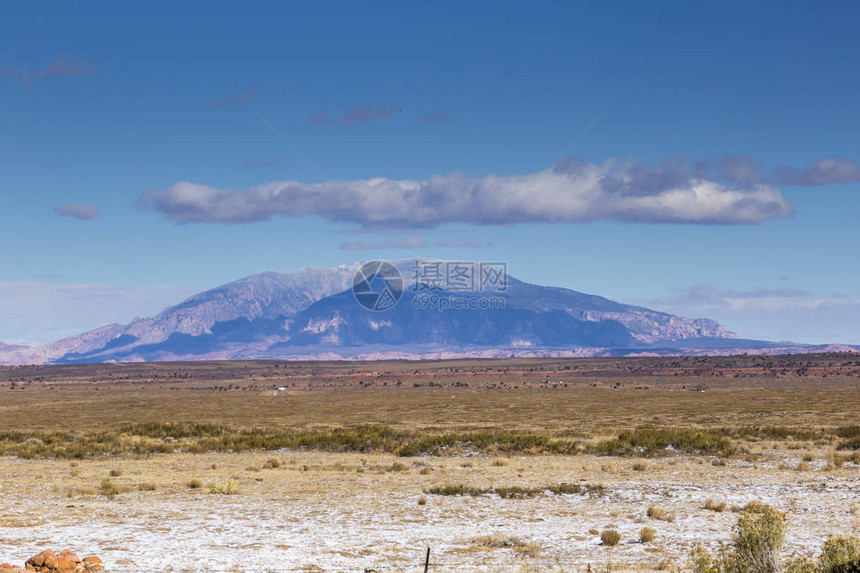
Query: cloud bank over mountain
point(573, 191)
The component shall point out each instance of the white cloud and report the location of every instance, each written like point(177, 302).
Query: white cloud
point(573, 191)
point(460, 244)
point(407, 243)
point(770, 314)
point(83, 211)
point(65, 65)
point(38, 313)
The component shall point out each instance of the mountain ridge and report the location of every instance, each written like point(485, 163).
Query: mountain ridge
point(312, 313)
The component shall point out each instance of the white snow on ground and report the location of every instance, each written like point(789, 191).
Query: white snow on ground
point(376, 523)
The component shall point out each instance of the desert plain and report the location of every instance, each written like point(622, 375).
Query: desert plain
point(494, 465)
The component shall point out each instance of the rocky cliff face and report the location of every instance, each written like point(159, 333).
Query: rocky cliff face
point(649, 326)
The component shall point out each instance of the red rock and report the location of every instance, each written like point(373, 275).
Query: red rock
point(69, 556)
point(40, 559)
point(92, 559)
point(65, 564)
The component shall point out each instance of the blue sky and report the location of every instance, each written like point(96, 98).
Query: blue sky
point(133, 158)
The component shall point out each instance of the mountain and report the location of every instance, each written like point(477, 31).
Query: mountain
point(314, 313)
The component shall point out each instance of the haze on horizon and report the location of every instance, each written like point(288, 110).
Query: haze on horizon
point(698, 160)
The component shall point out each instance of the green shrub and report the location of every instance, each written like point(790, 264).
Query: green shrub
point(758, 540)
point(802, 565)
point(650, 442)
point(839, 551)
point(755, 546)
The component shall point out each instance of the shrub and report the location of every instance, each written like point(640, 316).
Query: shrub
point(755, 547)
point(86, 490)
point(758, 540)
point(458, 489)
point(701, 561)
point(712, 505)
point(115, 473)
point(752, 506)
point(659, 513)
point(610, 537)
point(839, 551)
point(110, 489)
point(802, 565)
point(272, 463)
point(646, 535)
point(397, 467)
point(640, 467)
point(194, 484)
point(146, 487)
point(498, 540)
point(422, 500)
point(531, 549)
point(226, 487)
point(517, 492)
point(591, 490)
point(649, 442)
point(803, 467)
